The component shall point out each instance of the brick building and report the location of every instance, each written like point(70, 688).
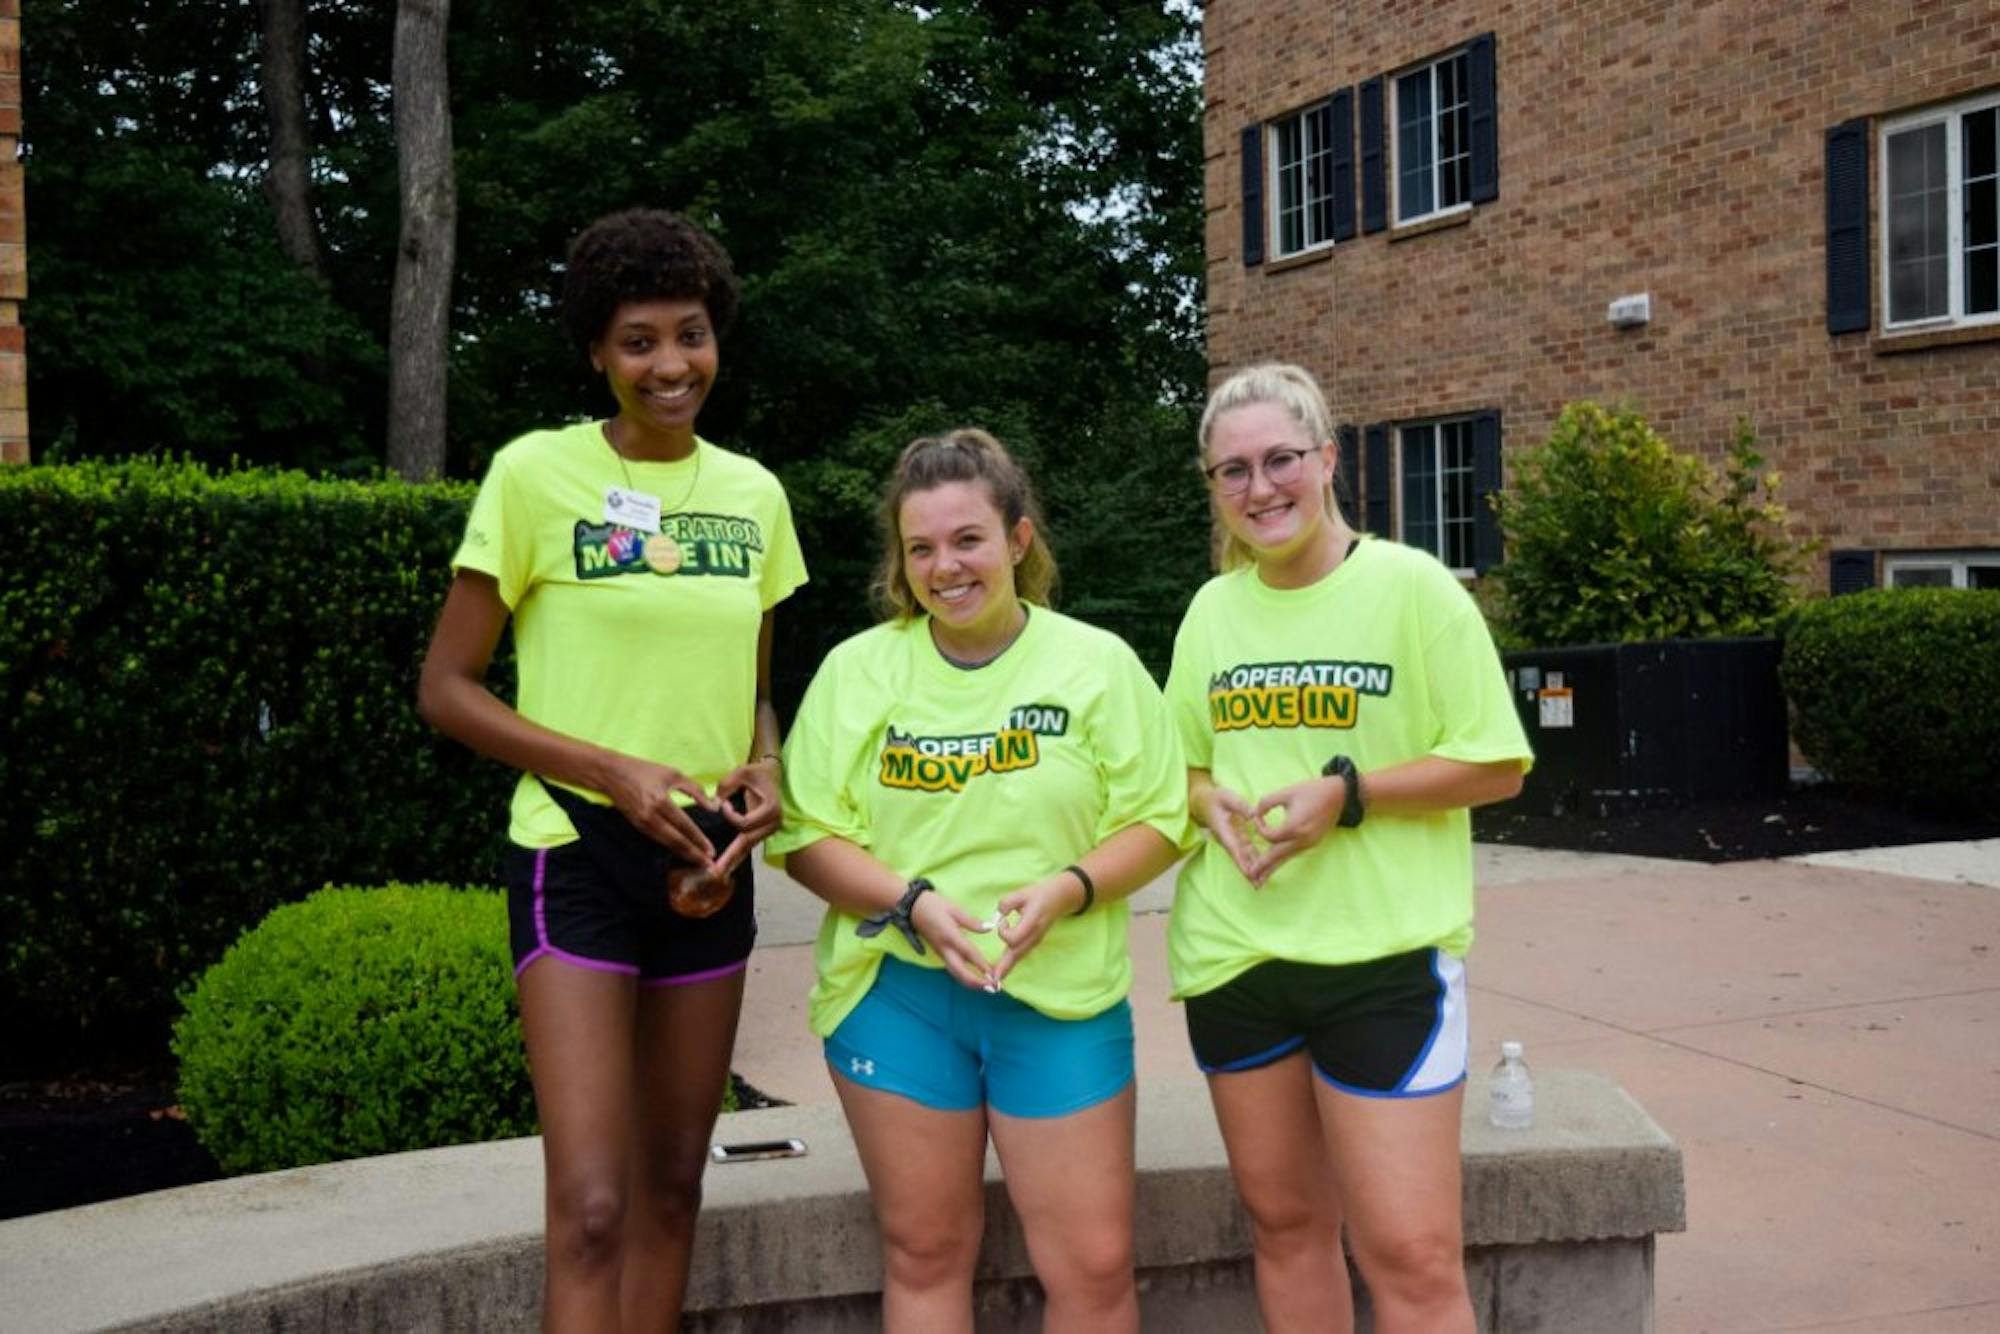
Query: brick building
point(13, 246)
point(1435, 204)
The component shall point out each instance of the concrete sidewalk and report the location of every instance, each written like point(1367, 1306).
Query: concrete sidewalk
point(1822, 1038)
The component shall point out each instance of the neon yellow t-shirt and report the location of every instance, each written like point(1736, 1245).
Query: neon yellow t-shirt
point(661, 666)
point(1385, 660)
point(982, 781)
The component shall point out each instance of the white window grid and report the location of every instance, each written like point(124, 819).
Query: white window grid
point(1941, 569)
point(1940, 216)
point(1302, 166)
point(1432, 145)
point(1438, 501)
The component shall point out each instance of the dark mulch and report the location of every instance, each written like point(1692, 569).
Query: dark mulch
point(81, 1137)
point(70, 1137)
point(1808, 818)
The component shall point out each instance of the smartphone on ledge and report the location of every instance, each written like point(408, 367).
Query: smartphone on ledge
point(756, 1149)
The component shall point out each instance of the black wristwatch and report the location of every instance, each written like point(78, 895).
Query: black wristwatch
point(899, 916)
point(1350, 810)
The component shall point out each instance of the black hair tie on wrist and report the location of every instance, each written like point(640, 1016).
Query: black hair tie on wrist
point(898, 916)
point(1089, 888)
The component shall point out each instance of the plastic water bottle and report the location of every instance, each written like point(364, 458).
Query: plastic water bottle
point(1511, 1090)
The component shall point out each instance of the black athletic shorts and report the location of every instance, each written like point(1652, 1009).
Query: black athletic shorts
point(1385, 1028)
point(601, 902)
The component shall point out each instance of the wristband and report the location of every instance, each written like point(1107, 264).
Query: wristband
point(1351, 810)
point(1089, 888)
point(898, 916)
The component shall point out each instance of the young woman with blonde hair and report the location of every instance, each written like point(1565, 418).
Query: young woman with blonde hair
point(1341, 706)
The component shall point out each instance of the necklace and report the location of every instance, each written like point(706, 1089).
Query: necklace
point(626, 471)
point(974, 664)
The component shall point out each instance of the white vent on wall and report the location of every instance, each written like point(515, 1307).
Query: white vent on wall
point(1629, 312)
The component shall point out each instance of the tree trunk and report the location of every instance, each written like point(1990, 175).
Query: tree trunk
point(290, 182)
point(419, 316)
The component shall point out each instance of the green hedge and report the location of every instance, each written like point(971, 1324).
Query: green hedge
point(206, 710)
point(359, 1021)
point(1897, 691)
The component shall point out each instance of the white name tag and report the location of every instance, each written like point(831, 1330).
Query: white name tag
point(632, 509)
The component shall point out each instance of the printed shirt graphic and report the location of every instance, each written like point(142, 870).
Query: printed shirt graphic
point(663, 666)
point(983, 781)
point(1385, 660)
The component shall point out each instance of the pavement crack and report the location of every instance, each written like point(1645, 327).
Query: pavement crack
point(1827, 1009)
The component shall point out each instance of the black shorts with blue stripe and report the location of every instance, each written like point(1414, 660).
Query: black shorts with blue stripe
point(1390, 1027)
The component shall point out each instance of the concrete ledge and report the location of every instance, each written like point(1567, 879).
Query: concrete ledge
point(1559, 1228)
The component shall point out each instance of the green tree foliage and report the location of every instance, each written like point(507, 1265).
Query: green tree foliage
point(1612, 537)
point(162, 314)
point(947, 213)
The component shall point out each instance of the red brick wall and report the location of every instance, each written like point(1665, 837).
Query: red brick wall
point(13, 246)
point(1670, 148)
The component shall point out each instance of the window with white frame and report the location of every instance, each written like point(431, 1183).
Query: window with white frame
point(1940, 200)
point(1433, 139)
point(1302, 168)
point(1942, 569)
point(1439, 491)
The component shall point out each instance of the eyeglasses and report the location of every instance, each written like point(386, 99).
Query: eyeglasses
point(1232, 476)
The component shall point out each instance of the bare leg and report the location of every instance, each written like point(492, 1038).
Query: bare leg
point(681, 1050)
point(925, 1173)
point(1071, 1181)
point(1397, 1160)
point(578, 1025)
point(1277, 1153)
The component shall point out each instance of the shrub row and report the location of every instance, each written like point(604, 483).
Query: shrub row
point(206, 710)
point(207, 688)
point(1897, 692)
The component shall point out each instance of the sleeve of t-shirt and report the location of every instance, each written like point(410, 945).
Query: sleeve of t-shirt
point(784, 563)
point(1138, 755)
point(822, 757)
point(498, 534)
point(1187, 692)
point(1468, 689)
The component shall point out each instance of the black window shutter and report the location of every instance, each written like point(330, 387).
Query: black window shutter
point(1851, 570)
point(1480, 77)
point(1347, 471)
point(1343, 164)
point(1253, 195)
point(1485, 485)
point(1374, 167)
point(1847, 227)
point(1379, 484)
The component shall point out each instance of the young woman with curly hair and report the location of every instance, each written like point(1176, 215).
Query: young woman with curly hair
point(638, 564)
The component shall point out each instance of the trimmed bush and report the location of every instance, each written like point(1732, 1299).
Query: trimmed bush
point(207, 707)
point(1897, 691)
point(356, 1022)
point(1613, 537)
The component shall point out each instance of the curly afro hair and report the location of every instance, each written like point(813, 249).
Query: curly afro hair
point(643, 254)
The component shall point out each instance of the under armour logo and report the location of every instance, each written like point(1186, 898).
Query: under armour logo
point(859, 1066)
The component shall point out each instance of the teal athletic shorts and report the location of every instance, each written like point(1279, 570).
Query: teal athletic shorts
point(927, 1037)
